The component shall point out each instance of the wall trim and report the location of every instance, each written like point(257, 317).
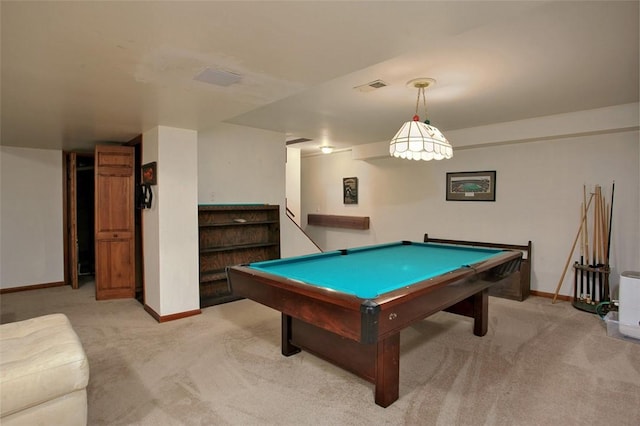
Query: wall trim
point(171, 317)
point(32, 287)
point(550, 295)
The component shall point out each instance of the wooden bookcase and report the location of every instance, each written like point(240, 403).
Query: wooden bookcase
point(232, 235)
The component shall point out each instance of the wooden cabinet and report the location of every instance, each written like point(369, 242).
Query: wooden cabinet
point(232, 235)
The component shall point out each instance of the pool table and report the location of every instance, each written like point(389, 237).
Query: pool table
point(349, 306)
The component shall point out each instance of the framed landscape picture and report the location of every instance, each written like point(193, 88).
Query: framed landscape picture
point(471, 186)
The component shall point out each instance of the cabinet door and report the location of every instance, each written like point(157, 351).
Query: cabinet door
point(114, 222)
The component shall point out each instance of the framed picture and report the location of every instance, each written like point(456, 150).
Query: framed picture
point(471, 186)
point(350, 190)
point(149, 175)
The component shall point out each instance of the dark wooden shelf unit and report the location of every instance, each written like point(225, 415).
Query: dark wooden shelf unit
point(232, 235)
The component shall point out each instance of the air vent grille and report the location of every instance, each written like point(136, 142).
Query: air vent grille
point(371, 86)
point(298, 140)
point(218, 77)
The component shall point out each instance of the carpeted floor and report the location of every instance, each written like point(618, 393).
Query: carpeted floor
point(539, 364)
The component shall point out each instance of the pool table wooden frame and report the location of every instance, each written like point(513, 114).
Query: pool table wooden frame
point(363, 335)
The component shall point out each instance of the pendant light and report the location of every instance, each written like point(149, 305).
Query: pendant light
point(418, 140)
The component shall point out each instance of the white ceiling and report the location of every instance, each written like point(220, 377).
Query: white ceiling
point(78, 73)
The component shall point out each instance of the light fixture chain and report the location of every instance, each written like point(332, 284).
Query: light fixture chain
point(421, 92)
point(424, 102)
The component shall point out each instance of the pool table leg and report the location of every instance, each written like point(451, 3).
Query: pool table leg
point(481, 312)
point(288, 348)
point(387, 380)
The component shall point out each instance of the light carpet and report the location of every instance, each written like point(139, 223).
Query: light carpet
point(539, 364)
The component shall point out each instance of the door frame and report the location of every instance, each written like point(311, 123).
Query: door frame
point(136, 143)
point(69, 215)
point(67, 245)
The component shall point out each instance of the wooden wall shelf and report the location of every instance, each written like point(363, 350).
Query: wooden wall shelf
point(334, 221)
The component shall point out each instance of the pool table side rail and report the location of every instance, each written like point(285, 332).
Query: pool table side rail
point(453, 292)
point(333, 311)
point(518, 286)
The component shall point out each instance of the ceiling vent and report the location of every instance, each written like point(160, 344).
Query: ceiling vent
point(371, 86)
point(218, 77)
point(299, 140)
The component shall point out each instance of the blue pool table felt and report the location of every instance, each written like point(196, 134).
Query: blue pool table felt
point(371, 271)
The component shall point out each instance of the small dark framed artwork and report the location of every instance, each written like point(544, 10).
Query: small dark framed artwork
point(471, 186)
point(350, 190)
point(149, 174)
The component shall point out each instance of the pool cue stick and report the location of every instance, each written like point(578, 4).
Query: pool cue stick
point(581, 253)
point(586, 237)
point(594, 248)
point(598, 261)
point(607, 219)
point(575, 282)
point(604, 289)
point(581, 279)
point(603, 228)
point(603, 245)
point(598, 283)
point(595, 227)
point(603, 259)
point(613, 188)
point(573, 247)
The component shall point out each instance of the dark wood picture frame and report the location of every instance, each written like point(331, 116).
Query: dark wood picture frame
point(350, 190)
point(149, 174)
point(471, 186)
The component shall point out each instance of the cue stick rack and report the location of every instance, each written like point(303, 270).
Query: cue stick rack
point(591, 273)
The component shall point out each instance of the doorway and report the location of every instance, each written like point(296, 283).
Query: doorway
point(79, 247)
point(79, 215)
point(84, 214)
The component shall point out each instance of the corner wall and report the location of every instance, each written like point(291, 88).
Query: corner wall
point(171, 224)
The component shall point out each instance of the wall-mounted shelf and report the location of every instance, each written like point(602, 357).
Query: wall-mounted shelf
point(335, 221)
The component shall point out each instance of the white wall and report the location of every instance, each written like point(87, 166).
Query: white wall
point(239, 164)
point(151, 227)
point(539, 190)
point(31, 224)
point(538, 197)
point(293, 183)
point(219, 171)
point(171, 225)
